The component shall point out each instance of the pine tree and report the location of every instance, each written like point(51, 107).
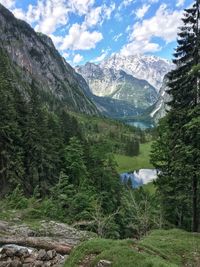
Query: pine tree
point(177, 151)
point(11, 155)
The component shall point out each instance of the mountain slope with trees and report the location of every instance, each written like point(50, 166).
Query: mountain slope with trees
point(34, 56)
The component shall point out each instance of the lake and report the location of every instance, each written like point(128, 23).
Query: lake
point(140, 124)
point(139, 177)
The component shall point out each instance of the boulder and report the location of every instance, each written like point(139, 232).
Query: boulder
point(51, 254)
point(9, 251)
point(15, 263)
point(4, 264)
point(104, 263)
point(38, 264)
point(42, 255)
point(22, 252)
point(29, 260)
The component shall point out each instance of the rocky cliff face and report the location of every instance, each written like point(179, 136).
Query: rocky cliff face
point(161, 107)
point(108, 106)
point(35, 57)
point(117, 84)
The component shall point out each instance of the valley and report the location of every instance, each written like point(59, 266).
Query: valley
point(99, 139)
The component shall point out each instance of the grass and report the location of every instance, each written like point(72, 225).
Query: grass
point(162, 248)
point(150, 187)
point(141, 161)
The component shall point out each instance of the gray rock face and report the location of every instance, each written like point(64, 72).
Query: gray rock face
point(161, 107)
point(35, 57)
point(108, 106)
point(119, 85)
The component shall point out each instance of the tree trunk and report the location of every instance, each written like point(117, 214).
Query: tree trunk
point(194, 205)
point(38, 243)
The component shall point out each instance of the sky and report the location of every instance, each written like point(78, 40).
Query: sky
point(92, 30)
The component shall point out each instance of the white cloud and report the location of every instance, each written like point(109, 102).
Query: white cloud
point(93, 17)
point(77, 59)
point(19, 13)
point(57, 40)
point(180, 3)
point(139, 47)
point(125, 3)
point(98, 15)
point(79, 38)
point(101, 57)
point(65, 55)
point(80, 6)
point(164, 24)
point(140, 13)
point(153, 1)
point(48, 15)
point(8, 3)
point(116, 37)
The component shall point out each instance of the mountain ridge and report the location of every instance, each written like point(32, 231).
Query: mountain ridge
point(117, 84)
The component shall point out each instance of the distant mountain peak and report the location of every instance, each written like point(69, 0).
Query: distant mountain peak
point(147, 67)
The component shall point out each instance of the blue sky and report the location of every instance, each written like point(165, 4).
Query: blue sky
point(91, 30)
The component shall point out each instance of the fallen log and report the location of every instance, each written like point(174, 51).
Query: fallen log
point(36, 242)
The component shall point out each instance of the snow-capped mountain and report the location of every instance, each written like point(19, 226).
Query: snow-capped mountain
point(119, 85)
point(149, 68)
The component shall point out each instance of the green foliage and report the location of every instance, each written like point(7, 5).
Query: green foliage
point(139, 213)
point(74, 164)
point(17, 200)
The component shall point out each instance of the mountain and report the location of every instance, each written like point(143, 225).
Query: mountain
point(108, 106)
point(160, 108)
point(119, 85)
point(34, 57)
point(149, 68)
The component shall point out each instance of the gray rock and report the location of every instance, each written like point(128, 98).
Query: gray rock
point(22, 252)
point(4, 264)
point(9, 251)
point(29, 260)
point(3, 226)
point(15, 263)
point(104, 263)
point(42, 255)
point(38, 264)
point(51, 254)
point(48, 264)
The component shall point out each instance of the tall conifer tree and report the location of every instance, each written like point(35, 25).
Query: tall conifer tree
point(180, 170)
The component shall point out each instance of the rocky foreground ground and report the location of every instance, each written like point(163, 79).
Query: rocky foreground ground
point(49, 245)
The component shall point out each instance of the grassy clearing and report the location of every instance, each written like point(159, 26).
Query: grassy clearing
point(126, 163)
point(162, 248)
